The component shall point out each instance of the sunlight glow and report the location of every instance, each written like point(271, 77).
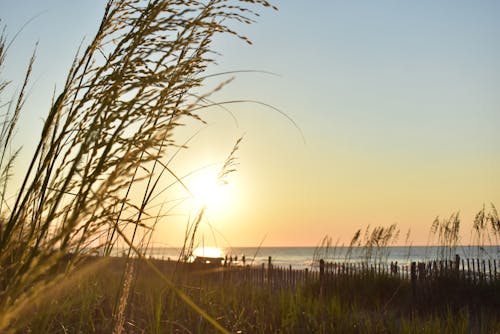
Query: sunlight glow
point(212, 252)
point(208, 191)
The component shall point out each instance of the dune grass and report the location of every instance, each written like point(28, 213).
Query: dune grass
point(108, 136)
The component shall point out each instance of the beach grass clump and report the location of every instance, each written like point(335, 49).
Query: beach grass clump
point(486, 230)
point(446, 234)
point(370, 246)
point(108, 136)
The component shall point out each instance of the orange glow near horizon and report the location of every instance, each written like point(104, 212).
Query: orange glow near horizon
point(400, 120)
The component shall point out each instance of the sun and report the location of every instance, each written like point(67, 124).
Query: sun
point(208, 192)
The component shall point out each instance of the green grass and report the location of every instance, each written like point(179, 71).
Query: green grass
point(362, 306)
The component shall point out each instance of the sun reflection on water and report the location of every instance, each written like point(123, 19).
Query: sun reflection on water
point(212, 252)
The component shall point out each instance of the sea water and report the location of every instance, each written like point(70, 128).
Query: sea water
point(308, 257)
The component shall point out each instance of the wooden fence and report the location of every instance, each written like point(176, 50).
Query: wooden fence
point(469, 271)
point(473, 270)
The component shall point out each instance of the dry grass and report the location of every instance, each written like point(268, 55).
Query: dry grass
point(108, 134)
point(349, 304)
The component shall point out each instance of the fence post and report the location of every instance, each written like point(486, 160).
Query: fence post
point(484, 271)
point(474, 271)
point(468, 270)
point(321, 275)
point(413, 273)
point(478, 271)
point(463, 269)
point(489, 270)
point(269, 270)
point(457, 265)
point(321, 271)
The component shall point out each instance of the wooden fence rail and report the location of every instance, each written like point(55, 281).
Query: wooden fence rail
point(470, 271)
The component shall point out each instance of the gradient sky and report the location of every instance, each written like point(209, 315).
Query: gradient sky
point(398, 102)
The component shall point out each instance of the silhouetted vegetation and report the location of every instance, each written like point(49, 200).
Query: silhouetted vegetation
point(347, 303)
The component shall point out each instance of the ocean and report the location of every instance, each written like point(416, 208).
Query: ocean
point(307, 257)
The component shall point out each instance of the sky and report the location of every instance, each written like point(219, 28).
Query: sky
point(396, 106)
